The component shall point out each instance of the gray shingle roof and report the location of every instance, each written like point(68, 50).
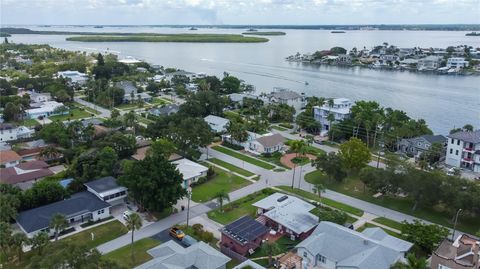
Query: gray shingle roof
point(284, 95)
point(435, 138)
point(271, 140)
point(165, 110)
point(103, 184)
point(171, 255)
point(471, 137)
point(216, 120)
point(79, 203)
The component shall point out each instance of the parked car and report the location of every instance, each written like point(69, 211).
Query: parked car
point(127, 214)
point(188, 241)
point(176, 233)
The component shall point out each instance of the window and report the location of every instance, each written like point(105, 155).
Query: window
point(305, 254)
point(100, 211)
point(458, 142)
point(451, 151)
point(456, 152)
point(322, 259)
point(451, 141)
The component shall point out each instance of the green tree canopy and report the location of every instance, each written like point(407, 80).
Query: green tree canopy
point(354, 154)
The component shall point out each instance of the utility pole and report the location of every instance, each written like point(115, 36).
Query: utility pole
point(293, 175)
point(455, 224)
point(189, 195)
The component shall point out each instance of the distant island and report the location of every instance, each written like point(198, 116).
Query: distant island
point(473, 34)
point(197, 38)
point(3, 34)
point(264, 33)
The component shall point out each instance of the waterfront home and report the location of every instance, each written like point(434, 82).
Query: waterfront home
point(25, 174)
point(108, 190)
point(286, 214)
point(344, 59)
point(389, 58)
point(415, 146)
point(217, 124)
point(409, 63)
point(463, 150)
point(340, 111)
point(429, 63)
point(333, 246)
point(191, 171)
point(266, 144)
point(23, 60)
point(131, 93)
point(129, 60)
point(457, 62)
point(288, 97)
point(238, 98)
point(243, 236)
point(46, 109)
point(10, 132)
point(463, 253)
point(172, 255)
point(9, 158)
point(74, 77)
point(79, 208)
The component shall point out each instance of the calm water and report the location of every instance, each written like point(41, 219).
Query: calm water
point(443, 101)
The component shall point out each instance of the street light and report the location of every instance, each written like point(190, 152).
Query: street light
point(189, 196)
point(455, 224)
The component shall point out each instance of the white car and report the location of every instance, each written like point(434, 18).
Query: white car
point(127, 214)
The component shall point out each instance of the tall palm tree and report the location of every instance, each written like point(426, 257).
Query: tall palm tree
point(18, 240)
point(319, 188)
point(49, 153)
point(222, 196)
point(271, 248)
point(297, 146)
point(134, 222)
point(58, 223)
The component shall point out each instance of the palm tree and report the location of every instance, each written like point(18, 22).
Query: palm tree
point(49, 153)
point(18, 240)
point(297, 146)
point(270, 248)
point(330, 119)
point(39, 241)
point(58, 223)
point(222, 196)
point(319, 188)
point(134, 222)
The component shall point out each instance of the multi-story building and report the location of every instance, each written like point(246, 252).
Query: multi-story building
point(457, 62)
point(288, 97)
point(463, 150)
point(340, 111)
point(9, 132)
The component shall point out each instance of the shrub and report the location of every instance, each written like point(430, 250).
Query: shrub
point(199, 181)
point(210, 172)
point(197, 228)
point(232, 146)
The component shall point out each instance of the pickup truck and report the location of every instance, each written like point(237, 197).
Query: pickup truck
point(176, 233)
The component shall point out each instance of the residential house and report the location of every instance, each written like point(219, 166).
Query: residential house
point(191, 171)
point(463, 150)
point(191, 87)
point(141, 153)
point(165, 110)
point(242, 236)
point(158, 78)
point(31, 150)
point(45, 109)
point(344, 59)
point(217, 124)
point(415, 146)
point(36, 97)
point(267, 144)
point(131, 93)
point(108, 190)
point(340, 111)
point(251, 137)
point(249, 264)
point(332, 246)
point(79, 208)
point(287, 215)
point(288, 97)
point(129, 60)
point(389, 58)
point(239, 97)
point(25, 174)
point(10, 132)
point(463, 253)
point(9, 158)
point(429, 63)
point(457, 62)
point(171, 255)
point(74, 77)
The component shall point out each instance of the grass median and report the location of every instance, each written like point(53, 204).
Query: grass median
point(243, 157)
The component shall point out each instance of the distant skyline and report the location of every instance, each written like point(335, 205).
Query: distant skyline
point(231, 12)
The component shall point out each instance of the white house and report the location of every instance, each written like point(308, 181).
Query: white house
point(191, 171)
point(429, 63)
point(217, 124)
point(75, 77)
point(284, 96)
point(266, 144)
point(46, 109)
point(340, 111)
point(79, 208)
point(463, 150)
point(107, 190)
point(37, 97)
point(9, 132)
point(457, 62)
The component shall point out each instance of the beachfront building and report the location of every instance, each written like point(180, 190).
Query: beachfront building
point(285, 96)
point(191, 171)
point(10, 132)
point(74, 77)
point(463, 150)
point(429, 63)
point(217, 124)
point(457, 62)
point(46, 109)
point(340, 111)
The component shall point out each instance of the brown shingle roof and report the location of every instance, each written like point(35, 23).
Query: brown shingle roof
point(31, 171)
point(7, 156)
point(271, 140)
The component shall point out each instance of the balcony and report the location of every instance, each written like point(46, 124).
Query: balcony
point(470, 150)
point(467, 160)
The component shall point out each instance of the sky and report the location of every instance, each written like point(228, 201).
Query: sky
point(262, 12)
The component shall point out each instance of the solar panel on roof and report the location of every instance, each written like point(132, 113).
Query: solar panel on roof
point(245, 229)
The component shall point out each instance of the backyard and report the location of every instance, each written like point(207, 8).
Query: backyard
point(355, 188)
point(243, 157)
point(221, 181)
point(285, 244)
point(123, 254)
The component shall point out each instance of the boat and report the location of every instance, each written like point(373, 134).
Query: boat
point(306, 82)
point(472, 34)
point(192, 29)
point(337, 32)
point(252, 30)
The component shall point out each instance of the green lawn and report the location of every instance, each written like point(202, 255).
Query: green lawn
point(231, 167)
point(243, 157)
point(326, 201)
point(301, 160)
point(278, 128)
point(239, 208)
point(123, 254)
point(284, 243)
point(390, 223)
point(28, 122)
point(355, 188)
point(275, 159)
point(73, 114)
point(144, 120)
point(370, 225)
point(103, 233)
point(222, 181)
point(160, 101)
